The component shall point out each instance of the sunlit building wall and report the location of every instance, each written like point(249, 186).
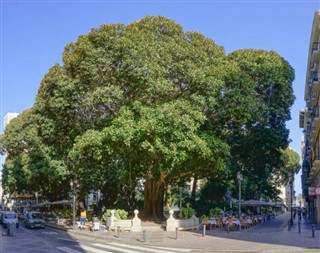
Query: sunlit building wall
point(310, 123)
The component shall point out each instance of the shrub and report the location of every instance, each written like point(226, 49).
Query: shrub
point(119, 214)
point(214, 212)
point(65, 213)
point(202, 217)
point(90, 215)
point(187, 212)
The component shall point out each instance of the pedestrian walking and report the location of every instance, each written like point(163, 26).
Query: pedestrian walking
point(299, 212)
point(83, 218)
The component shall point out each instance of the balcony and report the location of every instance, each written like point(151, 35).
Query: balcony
point(316, 120)
point(315, 167)
point(315, 47)
point(314, 133)
point(316, 52)
point(301, 118)
point(314, 84)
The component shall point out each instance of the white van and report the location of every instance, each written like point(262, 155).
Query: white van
point(9, 216)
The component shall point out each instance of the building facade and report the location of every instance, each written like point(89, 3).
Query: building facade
point(309, 121)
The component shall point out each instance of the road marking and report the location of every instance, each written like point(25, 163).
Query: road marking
point(119, 248)
point(154, 249)
point(67, 239)
point(68, 250)
point(129, 246)
point(93, 249)
point(49, 233)
point(173, 249)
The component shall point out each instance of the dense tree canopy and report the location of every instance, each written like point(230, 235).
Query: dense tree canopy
point(150, 103)
point(29, 166)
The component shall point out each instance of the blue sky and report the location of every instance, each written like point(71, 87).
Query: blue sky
point(34, 33)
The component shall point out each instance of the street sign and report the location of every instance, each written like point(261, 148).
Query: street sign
point(317, 190)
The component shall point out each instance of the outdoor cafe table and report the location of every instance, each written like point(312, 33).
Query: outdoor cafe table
point(234, 221)
point(212, 221)
point(249, 221)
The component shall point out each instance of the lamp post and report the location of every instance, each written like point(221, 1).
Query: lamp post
point(240, 178)
point(291, 198)
point(73, 186)
point(180, 206)
point(36, 195)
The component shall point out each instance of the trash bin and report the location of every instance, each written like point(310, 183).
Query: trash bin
point(11, 229)
point(95, 224)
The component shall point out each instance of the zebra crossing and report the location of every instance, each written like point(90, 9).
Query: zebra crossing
point(119, 248)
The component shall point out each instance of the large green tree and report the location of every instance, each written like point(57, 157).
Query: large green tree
point(29, 165)
point(154, 63)
point(257, 147)
point(150, 103)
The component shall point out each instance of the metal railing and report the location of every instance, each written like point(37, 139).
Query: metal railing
point(315, 46)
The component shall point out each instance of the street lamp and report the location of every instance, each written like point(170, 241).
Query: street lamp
point(180, 206)
point(73, 185)
point(240, 178)
point(36, 195)
point(291, 198)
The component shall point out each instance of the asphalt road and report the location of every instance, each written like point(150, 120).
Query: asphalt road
point(51, 240)
point(269, 237)
point(34, 240)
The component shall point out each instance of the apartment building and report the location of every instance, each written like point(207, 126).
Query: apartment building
point(310, 123)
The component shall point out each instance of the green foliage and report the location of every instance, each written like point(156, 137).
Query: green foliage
point(188, 212)
point(90, 215)
point(119, 214)
point(65, 213)
point(257, 146)
point(202, 217)
point(215, 212)
point(30, 165)
point(149, 101)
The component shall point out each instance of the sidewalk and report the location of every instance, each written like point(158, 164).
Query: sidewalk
point(270, 236)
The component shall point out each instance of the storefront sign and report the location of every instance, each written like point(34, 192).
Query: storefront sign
point(317, 190)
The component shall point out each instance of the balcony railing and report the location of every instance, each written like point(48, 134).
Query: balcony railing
point(315, 46)
point(316, 155)
point(314, 76)
point(315, 113)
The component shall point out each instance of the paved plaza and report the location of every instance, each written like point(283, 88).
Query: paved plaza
point(270, 236)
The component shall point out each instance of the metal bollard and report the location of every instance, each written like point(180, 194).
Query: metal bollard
point(299, 226)
point(118, 232)
point(289, 225)
point(177, 233)
point(313, 227)
point(228, 227)
point(144, 236)
point(203, 230)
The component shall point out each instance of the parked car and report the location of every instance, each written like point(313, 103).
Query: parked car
point(34, 220)
point(9, 216)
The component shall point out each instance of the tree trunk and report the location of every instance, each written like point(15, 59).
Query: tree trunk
point(153, 198)
point(194, 188)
